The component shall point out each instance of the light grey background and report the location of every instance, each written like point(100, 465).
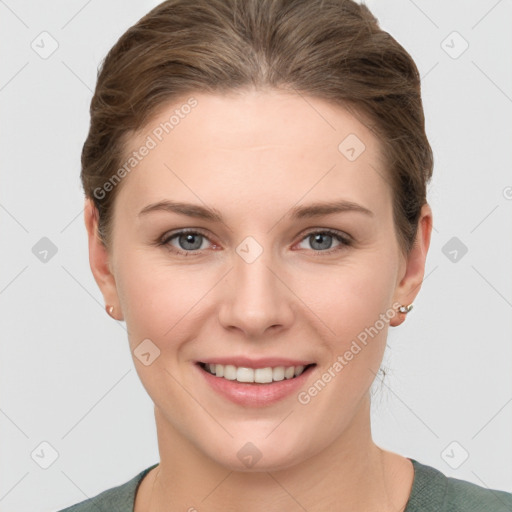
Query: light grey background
point(66, 374)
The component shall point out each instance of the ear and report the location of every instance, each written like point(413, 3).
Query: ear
point(99, 260)
point(412, 280)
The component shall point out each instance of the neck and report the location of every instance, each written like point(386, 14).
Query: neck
point(351, 474)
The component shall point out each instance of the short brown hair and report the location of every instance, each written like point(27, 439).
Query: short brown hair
point(330, 49)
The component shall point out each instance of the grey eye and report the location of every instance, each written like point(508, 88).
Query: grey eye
point(190, 241)
point(322, 240)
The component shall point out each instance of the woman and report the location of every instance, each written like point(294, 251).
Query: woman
point(255, 178)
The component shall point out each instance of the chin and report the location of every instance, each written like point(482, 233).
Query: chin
point(264, 464)
point(260, 454)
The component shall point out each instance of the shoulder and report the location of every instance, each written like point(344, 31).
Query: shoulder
point(433, 491)
point(116, 499)
point(468, 497)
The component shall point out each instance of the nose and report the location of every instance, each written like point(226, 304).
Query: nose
point(256, 299)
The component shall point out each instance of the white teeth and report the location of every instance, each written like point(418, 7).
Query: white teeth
point(263, 375)
point(244, 374)
point(289, 372)
point(278, 373)
point(229, 371)
point(258, 375)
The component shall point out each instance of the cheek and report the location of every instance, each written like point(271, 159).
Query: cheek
point(160, 300)
point(161, 303)
point(336, 310)
point(352, 296)
point(356, 305)
point(159, 297)
point(355, 302)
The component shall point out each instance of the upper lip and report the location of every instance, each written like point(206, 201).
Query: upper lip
point(263, 362)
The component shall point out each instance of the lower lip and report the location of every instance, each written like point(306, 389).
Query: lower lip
point(252, 394)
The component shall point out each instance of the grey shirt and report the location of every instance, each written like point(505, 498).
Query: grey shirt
point(432, 491)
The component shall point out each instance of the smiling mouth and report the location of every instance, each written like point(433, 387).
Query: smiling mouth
point(246, 375)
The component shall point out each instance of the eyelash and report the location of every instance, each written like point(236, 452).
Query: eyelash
point(344, 239)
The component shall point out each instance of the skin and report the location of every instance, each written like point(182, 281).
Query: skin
point(253, 156)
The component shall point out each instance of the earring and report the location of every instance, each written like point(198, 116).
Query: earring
point(405, 309)
point(110, 310)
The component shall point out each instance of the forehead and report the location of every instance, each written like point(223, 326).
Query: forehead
point(256, 148)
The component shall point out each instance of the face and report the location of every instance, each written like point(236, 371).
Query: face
point(281, 253)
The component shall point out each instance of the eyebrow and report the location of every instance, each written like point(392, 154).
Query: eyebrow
point(298, 212)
